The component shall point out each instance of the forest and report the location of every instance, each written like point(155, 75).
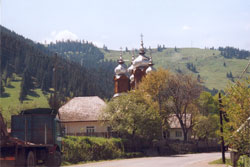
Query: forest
point(36, 64)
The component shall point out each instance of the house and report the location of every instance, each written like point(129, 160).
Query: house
point(80, 117)
point(175, 131)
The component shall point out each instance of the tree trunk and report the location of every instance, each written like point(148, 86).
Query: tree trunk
point(185, 135)
point(184, 129)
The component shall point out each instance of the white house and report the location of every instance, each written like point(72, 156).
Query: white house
point(80, 117)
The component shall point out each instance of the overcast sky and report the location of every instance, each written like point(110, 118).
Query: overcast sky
point(119, 23)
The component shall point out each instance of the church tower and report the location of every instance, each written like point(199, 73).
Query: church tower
point(139, 66)
point(121, 80)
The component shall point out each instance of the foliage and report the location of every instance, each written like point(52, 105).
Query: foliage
point(1, 88)
point(78, 149)
point(237, 108)
point(20, 55)
point(151, 87)
point(173, 94)
point(207, 104)
point(132, 117)
point(231, 52)
point(244, 161)
point(191, 67)
point(206, 127)
point(180, 94)
point(153, 84)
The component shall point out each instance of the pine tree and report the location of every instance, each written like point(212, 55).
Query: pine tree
point(1, 89)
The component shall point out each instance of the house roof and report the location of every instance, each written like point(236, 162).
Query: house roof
point(82, 109)
point(174, 122)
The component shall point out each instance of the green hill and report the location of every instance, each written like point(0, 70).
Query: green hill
point(85, 70)
point(210, 65)
point(10, 103)
point(27, 72)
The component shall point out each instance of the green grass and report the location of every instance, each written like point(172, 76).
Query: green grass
point(209, 64)
point(219, 161)
point(10, 104)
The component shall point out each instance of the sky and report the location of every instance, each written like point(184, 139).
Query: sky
point(119, 23)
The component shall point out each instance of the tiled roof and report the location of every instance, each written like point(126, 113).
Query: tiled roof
point(82, 109)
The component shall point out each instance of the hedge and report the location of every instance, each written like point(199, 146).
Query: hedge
point(81, 149)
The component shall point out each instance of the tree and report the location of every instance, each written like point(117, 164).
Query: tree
point(132, 117)
point(151, 87)
point(105, 48)
point(206, 127)
point(237, 107)
point(1, 88)
point(181, 93)
point(159, 48)
point(198, 78)
point(207, 104)
point(173, 94)
point(26, 85)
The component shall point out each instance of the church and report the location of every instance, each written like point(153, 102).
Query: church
point(128, 78)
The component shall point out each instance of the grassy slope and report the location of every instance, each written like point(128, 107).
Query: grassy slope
point(11, 105)
point(209, 63)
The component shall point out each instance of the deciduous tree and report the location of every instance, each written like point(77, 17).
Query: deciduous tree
point(237, 108)
point(131, 116)
point(180, 94)
point(206, 127)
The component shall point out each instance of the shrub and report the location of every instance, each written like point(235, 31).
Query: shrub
point(78, 148)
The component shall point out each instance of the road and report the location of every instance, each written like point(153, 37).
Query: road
point(186, 160)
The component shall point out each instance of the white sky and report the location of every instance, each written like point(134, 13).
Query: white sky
point(119, 23)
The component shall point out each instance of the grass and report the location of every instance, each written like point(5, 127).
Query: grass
point(10, 104)
point(219, 161)
point(209, 64)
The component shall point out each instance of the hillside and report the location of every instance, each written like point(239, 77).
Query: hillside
point(27, 74)
point(10, 103)
point(27, 78)
point(209, 64)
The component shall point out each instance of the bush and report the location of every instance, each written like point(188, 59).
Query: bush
point(78, 148)
point(244, 161)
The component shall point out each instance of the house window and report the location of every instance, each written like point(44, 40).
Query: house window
point(178, 134)
point(90, 129)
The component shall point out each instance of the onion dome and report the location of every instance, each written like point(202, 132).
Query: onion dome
point(121, 68)
point(132, 78)
point(131, 68)
point(150, 68)
point(141, 60)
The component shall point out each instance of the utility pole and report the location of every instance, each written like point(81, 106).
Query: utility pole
point(221, 130)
